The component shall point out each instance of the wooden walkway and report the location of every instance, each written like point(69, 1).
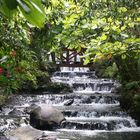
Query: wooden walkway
point(69, 58)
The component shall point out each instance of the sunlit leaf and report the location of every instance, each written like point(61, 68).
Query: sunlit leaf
point(24, 6)
point(123, 56)
point(122, 9)
point(103, 37)
point(33, 11)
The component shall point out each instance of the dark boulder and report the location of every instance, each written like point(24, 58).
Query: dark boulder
point(45, 117)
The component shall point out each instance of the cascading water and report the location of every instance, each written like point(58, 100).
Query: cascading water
point(96, 107)
point(83, 80)
point(93, 113)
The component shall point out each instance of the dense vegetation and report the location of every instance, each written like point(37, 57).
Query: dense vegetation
point(108, 29)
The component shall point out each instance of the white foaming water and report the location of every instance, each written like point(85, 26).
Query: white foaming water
point(102, 119)
point(104, 106)
point(82, 132)
point(126, 129)
point(90, 91)
point(96, 132)
point(63, 139)
point(85, 82)
point(74, 69)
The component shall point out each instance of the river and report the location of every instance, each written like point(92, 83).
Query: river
point(93, 112)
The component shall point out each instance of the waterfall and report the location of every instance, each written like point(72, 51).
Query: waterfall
point(95, 105)
point(83, 80)
point(92, 110)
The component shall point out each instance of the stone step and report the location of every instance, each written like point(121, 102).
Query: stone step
point(97, 124)
point(100, 119)
point(88, 114)
point(91, 107)
point(78, 99)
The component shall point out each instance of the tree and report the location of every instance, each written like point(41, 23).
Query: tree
point(108, 29)
point(18, 64)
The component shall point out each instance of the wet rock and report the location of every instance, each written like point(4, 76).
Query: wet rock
point(3, 125)
point(110, 126)
point(92, 114)
point(116, 89)
point(98, 99)
point(24, 133)
point(70, 113)
point(0, 108)
point(3, 138)
point(30, 133)
point(74, 113)
point(86, 99)
point(46, 137)
point(15, 112)
point(79, 126)
point(45, 117)
point(69, 102)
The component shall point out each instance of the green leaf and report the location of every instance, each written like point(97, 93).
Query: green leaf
point(86, 61)
point(11, 4)
point(33, 11)
point(122, 10)
point(103, 37)
point(123, 56)
point(3, 59)
point(38, 5)
point(24, 6)
point(5, 9)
